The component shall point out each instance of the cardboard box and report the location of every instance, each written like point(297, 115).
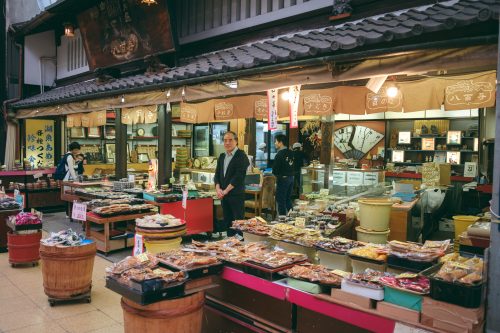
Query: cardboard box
point(398, 313)
point(444, 174)
point(352, 299)
point(436, 174)
point(438, 324)
point(451, 313)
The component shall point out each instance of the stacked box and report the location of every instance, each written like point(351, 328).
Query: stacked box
point(452, 318)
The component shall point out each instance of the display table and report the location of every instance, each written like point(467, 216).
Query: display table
point(34, 198)
point(317, 305)
point(103, 239)
point(199, 213)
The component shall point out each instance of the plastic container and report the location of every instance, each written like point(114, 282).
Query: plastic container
point(408, 265)
point(375, 214)
point(335, 260)
point(354, 288)
point(454, 293)
point(249, 238)
point(360, 265)
point(462, 222)
point(402, 298)
point(377, 237)
point(162, 245)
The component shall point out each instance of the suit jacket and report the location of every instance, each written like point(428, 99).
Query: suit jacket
point(235, 174)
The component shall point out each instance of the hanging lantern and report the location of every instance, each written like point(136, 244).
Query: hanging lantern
point(69, 30)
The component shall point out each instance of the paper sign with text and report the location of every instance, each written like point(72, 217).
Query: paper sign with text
point(79, 211)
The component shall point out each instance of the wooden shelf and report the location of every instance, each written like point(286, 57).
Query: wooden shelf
point(143, 138)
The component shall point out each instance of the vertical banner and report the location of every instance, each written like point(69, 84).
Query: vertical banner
point(293, 101)
point(184, 197)
point(40, 142)
point(272, 109)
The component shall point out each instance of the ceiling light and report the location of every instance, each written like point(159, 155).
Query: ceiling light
point(392, 92)
point(123, 99)
point(285, 96)
point(375, 83)
point(168, 93)
point(183, 92)
point(231, 84)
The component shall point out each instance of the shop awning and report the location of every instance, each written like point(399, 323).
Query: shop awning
point(302, 58)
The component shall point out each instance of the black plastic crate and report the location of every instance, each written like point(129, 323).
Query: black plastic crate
point(454, 293)
point(145, 298)
point(408, 265)
point(266, 273)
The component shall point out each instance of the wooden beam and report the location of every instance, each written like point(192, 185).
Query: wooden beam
point(120, 146)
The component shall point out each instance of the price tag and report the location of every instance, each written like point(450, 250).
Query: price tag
point(131, 178)
point(161, 272)
point(324, 192)
point(138, 245)
point(338, 177)
point(370, 178)
point(340, 273)
point(38, 175)
point(470, 169)
point(79, 211)
point(300, 222)
point(406, 276)
point(143, 257)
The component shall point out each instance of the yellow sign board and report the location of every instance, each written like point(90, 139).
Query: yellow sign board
point(40, 142)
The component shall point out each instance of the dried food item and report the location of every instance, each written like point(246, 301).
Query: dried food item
point(408, 281)
point(26, 219)
point(302, 236)
point(63, 238)
point(371, 251)
point(186, 260)
point(462, 270)
point(8, 203)
point(117, 209)
point(338, 244)
point(141, 261)
point(108, 202)
point(158, 221)
point(369, 278)
point(429, 251)
point(314, 273)
point(276, 258)
point(255, 226)
point(231, 249)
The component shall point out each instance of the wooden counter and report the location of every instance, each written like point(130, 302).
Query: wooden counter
point(401, 224)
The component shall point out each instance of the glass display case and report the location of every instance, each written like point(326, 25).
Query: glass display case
point(201, 140)
point(313, 179)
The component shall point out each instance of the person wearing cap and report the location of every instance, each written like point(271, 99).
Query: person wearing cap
point(299, 160)
point(261, 156)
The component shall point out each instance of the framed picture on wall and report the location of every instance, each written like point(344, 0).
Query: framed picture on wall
point(109, 132)
point(428, 143)
point(398, 156)
point(94, 132)
point(454, 138)
point(404, 138)
point(77, 133)
point(453, 157)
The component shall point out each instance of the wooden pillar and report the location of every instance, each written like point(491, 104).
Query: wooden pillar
point(250, 137)
point(120, 146)
point(164, 144)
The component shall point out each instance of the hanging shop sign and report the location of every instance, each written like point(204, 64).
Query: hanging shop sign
point(476, 92)
point(188, 114)
point(380, 102)
point(272, 109)
point(140, 115)
point(224, 110)
point(89, 119)
point(260, 108)
point(120, 30)
point(318, 104)
point(293, 101)
point(40, 142)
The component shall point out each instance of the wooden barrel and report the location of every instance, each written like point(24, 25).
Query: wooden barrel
point(67, 271)
point(179, 315)
point(24, 248)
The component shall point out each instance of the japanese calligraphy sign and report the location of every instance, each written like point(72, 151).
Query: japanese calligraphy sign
point(293, 101)
point(272, 109)
point(318, 104)
point(40, 142)
point(260, 108)
point(380, 102)
point(224, 110)
point(471, 93)
point(79, 211)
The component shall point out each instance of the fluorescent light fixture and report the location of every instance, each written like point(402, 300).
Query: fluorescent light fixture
point(375, 83)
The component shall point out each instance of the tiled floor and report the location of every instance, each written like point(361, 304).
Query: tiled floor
point(24, 306)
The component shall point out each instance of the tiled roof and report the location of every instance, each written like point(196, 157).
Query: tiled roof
point(307, 44)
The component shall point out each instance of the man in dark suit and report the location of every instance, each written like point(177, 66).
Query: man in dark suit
point(230, 181)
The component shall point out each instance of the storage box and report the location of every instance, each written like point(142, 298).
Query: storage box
point(353, 288)
point(398, 313)
point(334, 260)
point(408, 265)
point(402, 298)
point(450, 327)
point(450, 313)
point(353, 299)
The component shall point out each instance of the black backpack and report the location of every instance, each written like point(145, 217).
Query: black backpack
point(61, 168)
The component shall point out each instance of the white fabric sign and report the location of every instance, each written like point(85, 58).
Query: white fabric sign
point(272, 109)
point(293, 101)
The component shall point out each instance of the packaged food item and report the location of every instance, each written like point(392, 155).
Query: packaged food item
point(313, 273)
point(369, 278)
point(427, 252)
point(186, 260)
point(338, 244)
point(371, 251)
point(461, 270)
point(255, 226)
point(408, 281)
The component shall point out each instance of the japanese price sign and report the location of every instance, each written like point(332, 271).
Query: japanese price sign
point(40, 142)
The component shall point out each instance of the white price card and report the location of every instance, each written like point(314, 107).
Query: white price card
point(138, 245)
point(79, 211)
point(370, 178)
point(470, 169)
